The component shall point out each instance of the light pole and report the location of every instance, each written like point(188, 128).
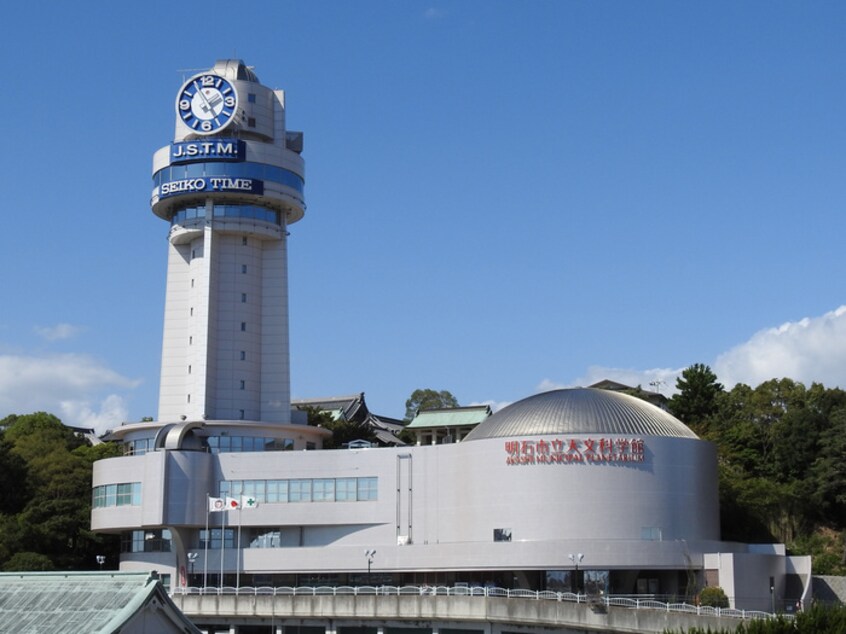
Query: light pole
point(370, 554)
point(576, 559)
point(101, 559)
point(192, 557)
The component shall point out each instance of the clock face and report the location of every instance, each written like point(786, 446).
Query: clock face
point(207, 103)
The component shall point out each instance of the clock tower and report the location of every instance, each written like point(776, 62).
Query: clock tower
point(229, 184)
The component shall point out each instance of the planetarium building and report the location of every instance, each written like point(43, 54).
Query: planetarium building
point(584, 490)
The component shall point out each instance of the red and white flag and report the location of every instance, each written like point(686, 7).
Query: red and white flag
point(232, 504)
point(216, 505)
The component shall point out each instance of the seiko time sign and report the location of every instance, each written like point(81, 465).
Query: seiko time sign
point(219, 184)
point(208, 150)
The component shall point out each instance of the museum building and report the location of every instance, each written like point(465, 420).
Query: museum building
point(584, 489)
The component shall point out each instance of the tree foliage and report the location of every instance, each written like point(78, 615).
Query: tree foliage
point(781, 449)
point(45, 497)
point(421, 399)
point(697, 399)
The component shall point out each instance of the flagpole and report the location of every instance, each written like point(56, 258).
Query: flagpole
point(222, 543)
point(238, 546)
point(208, 537)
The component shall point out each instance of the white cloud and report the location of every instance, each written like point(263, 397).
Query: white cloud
point(62, 384)
point(433, 14)
point(57, 332)
point(113, 411)
point(809, 350)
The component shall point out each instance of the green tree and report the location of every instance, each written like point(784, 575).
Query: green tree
point(697, 397)
point(428, 399)
point(54, 515)
point(713, 596)
point(26, 561)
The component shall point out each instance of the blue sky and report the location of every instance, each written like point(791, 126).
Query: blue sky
point(502, 197)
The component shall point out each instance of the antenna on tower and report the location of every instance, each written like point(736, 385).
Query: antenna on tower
point(656, 385)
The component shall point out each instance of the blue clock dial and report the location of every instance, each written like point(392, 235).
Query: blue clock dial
point(207, 103)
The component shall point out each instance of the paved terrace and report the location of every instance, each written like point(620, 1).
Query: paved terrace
point(487, 610)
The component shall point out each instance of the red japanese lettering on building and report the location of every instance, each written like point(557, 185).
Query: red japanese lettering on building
point(574, 450)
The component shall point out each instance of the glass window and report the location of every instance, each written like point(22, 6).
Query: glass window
point(323, 490)
point(502, 534)
point(345, 490)
point(212, 538)
point(277, 491)
point(367, 489)
point(299, 491)
point(251, 97)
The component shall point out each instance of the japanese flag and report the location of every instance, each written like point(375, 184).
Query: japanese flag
point(248, 502)
point(216, 505)
point(232, 504)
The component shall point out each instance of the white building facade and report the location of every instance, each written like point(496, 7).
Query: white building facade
point(581, 489)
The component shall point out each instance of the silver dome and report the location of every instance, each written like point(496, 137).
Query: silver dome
point(581, 411)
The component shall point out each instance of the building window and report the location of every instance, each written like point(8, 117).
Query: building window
point(502, 534)
point(244, 240)
point(243, 384)
point(243, 326)
point(192, 282)
point(243, 268)
point(345, 490)
point(251, 97)
point(243, 298)
point(251, 122)
point(124, 494)
point(367, 489)
point(243, 355)
point(299, 490)
point(211, 538)
point(323, 490)
point(190, 340)
point(302, 490)
point(266, 539)
point(189, 398)
point(650, 533)
point(191, 311)
point(189, 369)
point(146, 541)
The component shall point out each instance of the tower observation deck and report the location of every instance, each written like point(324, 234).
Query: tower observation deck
point(229, 185)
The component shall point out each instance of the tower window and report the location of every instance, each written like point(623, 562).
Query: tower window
point(243, 298)
point(244, 240)
point(241, 413)
point(189, 369)
point(251, 122)
point(189, 398)
point(243, 384)
point(190, 340)
point(243, 326)
point(251, 97)
point(243, 355)
point(192, 282)
point(243, 268)
point(192, 311)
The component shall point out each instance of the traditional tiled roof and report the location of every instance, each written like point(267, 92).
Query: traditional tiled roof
point(93, 602)
point(450, 417)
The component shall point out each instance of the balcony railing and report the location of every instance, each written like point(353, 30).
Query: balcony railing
point(600, 601)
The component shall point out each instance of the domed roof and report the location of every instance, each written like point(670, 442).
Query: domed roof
point(581, 411)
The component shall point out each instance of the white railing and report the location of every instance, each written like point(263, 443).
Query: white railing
point(627, 601)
